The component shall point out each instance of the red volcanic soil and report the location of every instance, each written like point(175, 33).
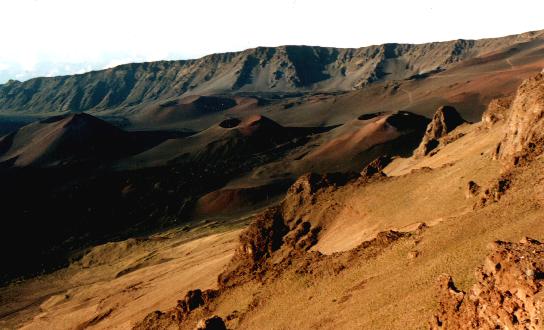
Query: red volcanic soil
point(361, 138)
point(359, 141)
point(231, 200)
point(62, 140)
point(73, 139)
point(231, 138)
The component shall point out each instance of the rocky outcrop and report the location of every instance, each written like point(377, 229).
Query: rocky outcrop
point(509, 292)
point(524, 137)
point(211, 323)
point(445, 120)
point(274, 236)
point(306, 186)
point(279, 231)
point(193, 299)
point(497, 111)
point(494, 192)
point(472, 189)
point(376, 167)
point(278, 241)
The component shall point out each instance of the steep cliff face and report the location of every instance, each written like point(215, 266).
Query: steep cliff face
point(525, 123)
point(262, 69)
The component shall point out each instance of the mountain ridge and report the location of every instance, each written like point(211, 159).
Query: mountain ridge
point(280, 69)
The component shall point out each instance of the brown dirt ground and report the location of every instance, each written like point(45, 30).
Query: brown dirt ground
point(395, 290)
point(115, 284)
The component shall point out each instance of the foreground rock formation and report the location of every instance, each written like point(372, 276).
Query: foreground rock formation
point(497, 111)
point(523, 140)
point(211, 323)
point(509, 293)
point(524, 132)
point(445, 120)
point(278, 239)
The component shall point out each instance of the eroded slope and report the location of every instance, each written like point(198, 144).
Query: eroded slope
point(279, 274)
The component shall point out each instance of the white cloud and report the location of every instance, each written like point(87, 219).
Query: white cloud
point(52, 73)
point(83, 69)
point(119, 61)
point(20, 76)
point(27, 62)
point(96, 33)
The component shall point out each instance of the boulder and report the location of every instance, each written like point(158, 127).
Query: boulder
point(211, 323)
point(472, 189)
point(193, 299)
point(376, 166)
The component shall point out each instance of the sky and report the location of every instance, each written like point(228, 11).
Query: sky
point(56, 37)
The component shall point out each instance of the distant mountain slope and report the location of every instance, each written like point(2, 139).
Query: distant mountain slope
point(72, 139)
point(59, 139)
point(263, 69)
point(232, 140)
